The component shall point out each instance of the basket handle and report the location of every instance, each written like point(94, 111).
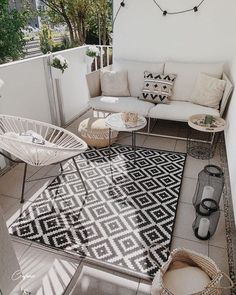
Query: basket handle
point(223, 287)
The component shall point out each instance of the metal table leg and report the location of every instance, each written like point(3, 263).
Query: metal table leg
point(109, 144)
point(23, 184)
point(134, 144)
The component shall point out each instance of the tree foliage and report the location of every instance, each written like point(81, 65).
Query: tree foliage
point(11, 36)
point(83, 18)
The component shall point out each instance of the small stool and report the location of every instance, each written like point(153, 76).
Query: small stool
point(95, 132)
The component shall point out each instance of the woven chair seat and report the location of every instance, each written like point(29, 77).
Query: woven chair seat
point(55, 145)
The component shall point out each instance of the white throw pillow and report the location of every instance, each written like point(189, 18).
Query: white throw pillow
point(187, 74)
point(185, 281)
point(114, 83)
point(208, 91)
point(135, 72)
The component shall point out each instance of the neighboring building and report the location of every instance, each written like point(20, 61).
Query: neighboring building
point(35, 4)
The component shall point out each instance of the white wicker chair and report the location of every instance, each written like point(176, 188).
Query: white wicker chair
point(57, 145)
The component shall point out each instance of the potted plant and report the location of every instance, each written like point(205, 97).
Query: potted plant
point(91, 52)
point(58, 64)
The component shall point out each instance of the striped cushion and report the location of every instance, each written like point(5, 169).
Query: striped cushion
point(157, 88)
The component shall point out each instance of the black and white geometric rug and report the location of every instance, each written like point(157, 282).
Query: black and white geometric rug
point(130, 206)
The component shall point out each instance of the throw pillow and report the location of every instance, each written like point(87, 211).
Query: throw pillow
point(157, 88)
point(114, 83)
point(208, 91)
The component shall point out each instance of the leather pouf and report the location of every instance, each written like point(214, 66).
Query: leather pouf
point(95, 132)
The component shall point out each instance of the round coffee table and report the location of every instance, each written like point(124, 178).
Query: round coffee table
point(115, 122)
point(202, 138)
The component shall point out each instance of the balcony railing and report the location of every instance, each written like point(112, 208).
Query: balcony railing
point(31, 91)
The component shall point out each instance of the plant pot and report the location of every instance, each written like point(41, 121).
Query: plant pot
point(56, 73)
point(89, 61)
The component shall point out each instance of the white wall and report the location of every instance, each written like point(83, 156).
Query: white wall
point(24, 93)
point(142, 33)
point(230, 136)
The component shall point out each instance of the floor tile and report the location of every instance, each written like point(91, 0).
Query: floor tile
point(144, 288)
point(160, 143)
point(183, 224)
point(187, 190)
point(13, 188)
point(92, 280)
point(125, 138)
point(187, 244)
point(20, 248)
point(45, 273)
point(14, 212)
point(219, 238)
point(181, 146)
point(55, 251)
point(219, 255)
point(6, 203)
point(194, 166)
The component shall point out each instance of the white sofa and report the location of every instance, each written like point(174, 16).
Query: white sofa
point(179, 108)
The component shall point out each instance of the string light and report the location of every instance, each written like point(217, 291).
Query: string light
point(165, 12)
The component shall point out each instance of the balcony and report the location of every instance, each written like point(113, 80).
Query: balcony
point(31, 91)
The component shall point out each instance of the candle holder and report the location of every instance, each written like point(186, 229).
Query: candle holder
point(203, 231)
point(206, 201)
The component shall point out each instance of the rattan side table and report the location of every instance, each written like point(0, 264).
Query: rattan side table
point(203, 138)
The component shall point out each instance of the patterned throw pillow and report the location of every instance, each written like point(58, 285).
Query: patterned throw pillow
point(157, 88)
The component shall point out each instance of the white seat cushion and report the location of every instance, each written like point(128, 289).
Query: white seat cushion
point(136, 71)
point(180, 111)
point(185, 281)
point(187, 74)
point(120, 104)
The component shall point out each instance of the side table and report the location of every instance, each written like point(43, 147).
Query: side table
point(115, 122)
point(202, 138)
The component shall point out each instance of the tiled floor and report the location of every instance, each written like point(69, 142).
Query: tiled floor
point(46, 268)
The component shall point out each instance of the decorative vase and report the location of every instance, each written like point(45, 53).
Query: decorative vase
point(89, 61)
point(56, 73)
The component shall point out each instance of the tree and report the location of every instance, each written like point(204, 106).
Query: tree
point(11, 36)
point(103, 14)
point(46, 41)
point(82, 17)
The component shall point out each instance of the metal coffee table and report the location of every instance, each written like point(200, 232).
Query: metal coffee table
point(115, 122)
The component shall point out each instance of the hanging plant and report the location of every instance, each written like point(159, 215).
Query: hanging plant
point(59, 62)
point(92, 51)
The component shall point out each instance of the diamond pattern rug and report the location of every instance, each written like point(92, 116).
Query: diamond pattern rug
point(126, 220)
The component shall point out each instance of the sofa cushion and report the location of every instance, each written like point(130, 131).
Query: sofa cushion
point(157, 88)
point(180, 111)
point(121, 104)
point(136, 70)
point(187, 74)
point(208, 91)
point(114, 83)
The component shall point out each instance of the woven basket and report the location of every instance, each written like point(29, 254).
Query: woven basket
point(194, 259)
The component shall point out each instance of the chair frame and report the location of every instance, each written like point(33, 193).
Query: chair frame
point(65, 146)
point(24, 180)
